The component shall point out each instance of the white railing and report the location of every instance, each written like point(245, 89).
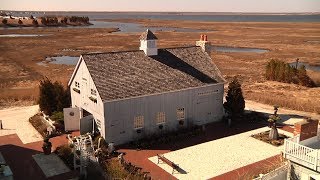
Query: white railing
point(295, 139)
point(301, 154)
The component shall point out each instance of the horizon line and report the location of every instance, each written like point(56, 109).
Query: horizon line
point(232, 12)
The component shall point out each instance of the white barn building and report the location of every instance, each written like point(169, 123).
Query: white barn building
point(132, 94)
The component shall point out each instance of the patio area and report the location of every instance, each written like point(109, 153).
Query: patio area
point(213, 158)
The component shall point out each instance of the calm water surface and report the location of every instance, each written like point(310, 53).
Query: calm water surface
point(67, 60)
point(308, 66)
point(71, 60)
point(238, 49)
point(193, 16)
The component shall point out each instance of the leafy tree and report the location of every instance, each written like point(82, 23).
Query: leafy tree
point(43, 21)
point(53, 97)
point(273, 134)
point(279, 71)
point(55, 20)
point(65, 19)
point(304, 79)
point(47, 98)
point(235, 103)
point(35, 22)
point(4, 21)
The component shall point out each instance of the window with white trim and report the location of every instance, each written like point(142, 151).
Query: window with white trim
point(77, 84)
point(180, 114)
point(93, 92)
point(138, 122)
point(161, 117)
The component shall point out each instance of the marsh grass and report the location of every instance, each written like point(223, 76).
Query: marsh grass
point(315, 76)
point(18, 97)
point(308, 105)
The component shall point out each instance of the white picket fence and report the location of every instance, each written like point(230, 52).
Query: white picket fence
point(301, 154)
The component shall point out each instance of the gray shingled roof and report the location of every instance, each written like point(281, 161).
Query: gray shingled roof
point(148, 35)
point(119, 75)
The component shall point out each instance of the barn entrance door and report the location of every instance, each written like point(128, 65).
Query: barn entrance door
point(71, 119)
point(204, 114)
point(118, 128)
point(86, 124)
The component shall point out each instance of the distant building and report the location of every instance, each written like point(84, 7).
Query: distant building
point(131, 94)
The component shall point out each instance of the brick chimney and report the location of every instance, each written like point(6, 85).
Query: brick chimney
point(204, 43)
point(307, 129)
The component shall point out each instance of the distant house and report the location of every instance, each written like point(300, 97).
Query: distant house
point(131, 94)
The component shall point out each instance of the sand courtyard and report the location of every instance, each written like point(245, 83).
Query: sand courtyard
point(213, 158)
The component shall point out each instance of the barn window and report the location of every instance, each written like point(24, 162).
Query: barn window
point(93, 92)
point(161, 117)
point(180, 114)
point(138, 122)
point(77, 84)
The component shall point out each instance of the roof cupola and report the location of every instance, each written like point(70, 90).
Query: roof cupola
point(148, 43)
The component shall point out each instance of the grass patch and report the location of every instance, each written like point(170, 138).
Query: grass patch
point(315, 76)
point(292, 103)
point(264, 136)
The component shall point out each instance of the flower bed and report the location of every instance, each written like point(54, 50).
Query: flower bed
point(38, 124)
point(264, 136)
point(166, 137)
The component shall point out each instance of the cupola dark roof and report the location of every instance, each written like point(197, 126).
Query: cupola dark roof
point(148, 35)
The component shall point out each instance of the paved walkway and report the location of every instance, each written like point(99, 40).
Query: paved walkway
point(16, 121)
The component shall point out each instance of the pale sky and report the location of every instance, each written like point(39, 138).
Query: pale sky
point(164, 5)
